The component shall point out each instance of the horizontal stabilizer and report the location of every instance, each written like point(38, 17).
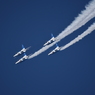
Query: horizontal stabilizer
point(23, 46)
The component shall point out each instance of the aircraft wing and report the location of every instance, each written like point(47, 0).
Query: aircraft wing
point(17, 54)
point(22, 50)
point(22, 59)
point(48, 42)
point(52, 52)
point(51, 40)
point(28, 48)
point(25, 49)
point(55, 50)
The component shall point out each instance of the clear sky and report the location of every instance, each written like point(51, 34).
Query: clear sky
point(30, 22)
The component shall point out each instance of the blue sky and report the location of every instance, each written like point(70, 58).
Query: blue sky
point(30, 22)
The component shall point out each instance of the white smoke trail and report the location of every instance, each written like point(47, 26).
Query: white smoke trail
point(88, 31)
point(79, 21)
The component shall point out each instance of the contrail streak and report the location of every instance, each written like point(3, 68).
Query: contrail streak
point(79, 21)
point(88, 31)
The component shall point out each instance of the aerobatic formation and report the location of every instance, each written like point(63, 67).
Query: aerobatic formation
point(22, 51)
point(49, 42)
point(85, 16)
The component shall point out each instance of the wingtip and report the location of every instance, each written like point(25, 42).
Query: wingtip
point(17, 62)
point(30, 47)
point(44, 45)
point(49, 54)
point(14, 56)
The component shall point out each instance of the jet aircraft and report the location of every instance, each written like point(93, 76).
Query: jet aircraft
point(50, 41)
point(22, 51)
point(55, 50)
point(22, 59)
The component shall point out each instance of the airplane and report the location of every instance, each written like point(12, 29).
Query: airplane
point(22, 59)
point(55, 50)
point(22, 51)
point(50, 41)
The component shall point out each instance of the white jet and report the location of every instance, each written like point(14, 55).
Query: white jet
point(22, 51)
point(22, 59)
point(55, 50)
point(50, 41)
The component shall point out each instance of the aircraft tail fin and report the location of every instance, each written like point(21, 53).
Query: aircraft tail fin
point(52, 35)
point(24, 53)
point(23, 46)
point(57, 45)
